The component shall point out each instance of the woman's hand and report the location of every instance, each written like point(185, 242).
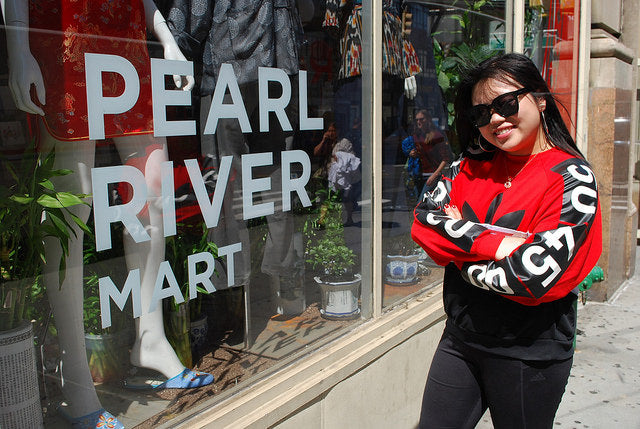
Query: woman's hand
point(452, 211)
point(507, 246)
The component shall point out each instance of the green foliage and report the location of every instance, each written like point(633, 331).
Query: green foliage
point(31, 209)
point(101, 264)
point(91, 306)
point(452, 61)
point(331, 257)
point(401, 244)
point(178, 249)
point(326, 250)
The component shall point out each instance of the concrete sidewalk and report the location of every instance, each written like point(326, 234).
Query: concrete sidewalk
point(604, 386)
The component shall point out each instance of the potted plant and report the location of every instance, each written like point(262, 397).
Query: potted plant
point(186, 324)
point(402, 260)
point(334, 262)
point(30, 210)
point(107, 349)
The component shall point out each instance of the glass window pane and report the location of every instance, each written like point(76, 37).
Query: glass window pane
point(225, 227)
point(419, 138)
point(552, 42)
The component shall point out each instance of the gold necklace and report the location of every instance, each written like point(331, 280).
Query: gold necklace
point(507, 183)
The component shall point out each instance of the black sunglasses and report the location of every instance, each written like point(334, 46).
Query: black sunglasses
point(505, 105)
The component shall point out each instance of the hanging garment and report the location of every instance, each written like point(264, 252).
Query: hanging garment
point(398, 55)
point(246, 34)
point(61, 32)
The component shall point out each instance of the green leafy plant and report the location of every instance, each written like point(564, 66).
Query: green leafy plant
point(187, 241)
point(178, 248)
point(401, 244)
point(101, 264)
point(31, 209)
point(326, 250)
point(106, 348)
point(452, 60)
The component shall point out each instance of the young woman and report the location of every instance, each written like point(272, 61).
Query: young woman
point(516, 222)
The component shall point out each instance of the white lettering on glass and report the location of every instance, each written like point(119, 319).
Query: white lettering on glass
point(220, 110)
point(97, 104)
point(252, 186)
point(210, 209)
point(163, 97)
point(296, 185)
point(203, 278)
point(159, 293)
point(127, 213)
point(230, 251)
point(306, 123)
point(104, 214)
point(168, 200)
point(276, 105)
point(108, 290)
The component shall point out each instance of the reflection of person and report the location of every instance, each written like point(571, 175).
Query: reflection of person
point(53, 62)
point(510, 299)
point(343, 174)
point(428, 152)
point(329, 139)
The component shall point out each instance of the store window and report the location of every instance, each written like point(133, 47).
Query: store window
point(182, 198)
point(186, 185)
point(418, 130)
point(552, 41)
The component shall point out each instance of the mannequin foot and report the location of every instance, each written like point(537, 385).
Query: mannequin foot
point(154, 352)
point(98, 419)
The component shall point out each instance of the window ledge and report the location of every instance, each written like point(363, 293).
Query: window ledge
point(267, 401)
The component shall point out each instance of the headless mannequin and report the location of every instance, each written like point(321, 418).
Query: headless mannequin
point(151, 348)
point(207, 23)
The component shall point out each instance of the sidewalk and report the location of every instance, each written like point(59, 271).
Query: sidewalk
point(604, 386)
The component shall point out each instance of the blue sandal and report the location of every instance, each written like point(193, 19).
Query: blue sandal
point(102, 419)
point(187, 379)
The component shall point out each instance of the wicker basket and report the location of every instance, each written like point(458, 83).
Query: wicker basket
point(19, 394)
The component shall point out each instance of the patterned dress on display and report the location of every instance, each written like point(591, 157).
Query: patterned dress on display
point(398, 55)
point(61, 32)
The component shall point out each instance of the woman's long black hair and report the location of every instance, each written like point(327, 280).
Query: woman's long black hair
point(511, 68)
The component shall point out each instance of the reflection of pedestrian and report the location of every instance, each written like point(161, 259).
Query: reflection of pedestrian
point(344, 174)
point(428, 152)
point(329, 139)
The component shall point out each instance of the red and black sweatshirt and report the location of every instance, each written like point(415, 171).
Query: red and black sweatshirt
point(521, 306)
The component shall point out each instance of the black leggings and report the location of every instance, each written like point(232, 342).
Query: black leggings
point(464, 381)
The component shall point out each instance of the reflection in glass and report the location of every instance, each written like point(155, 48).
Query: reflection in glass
point(266, 190)
point(418, 132)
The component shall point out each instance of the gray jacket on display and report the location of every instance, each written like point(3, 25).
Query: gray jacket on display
point(245, 33)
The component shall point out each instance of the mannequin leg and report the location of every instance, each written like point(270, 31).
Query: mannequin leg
point(228, 141)
point(66, 299)
point(151, 348)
